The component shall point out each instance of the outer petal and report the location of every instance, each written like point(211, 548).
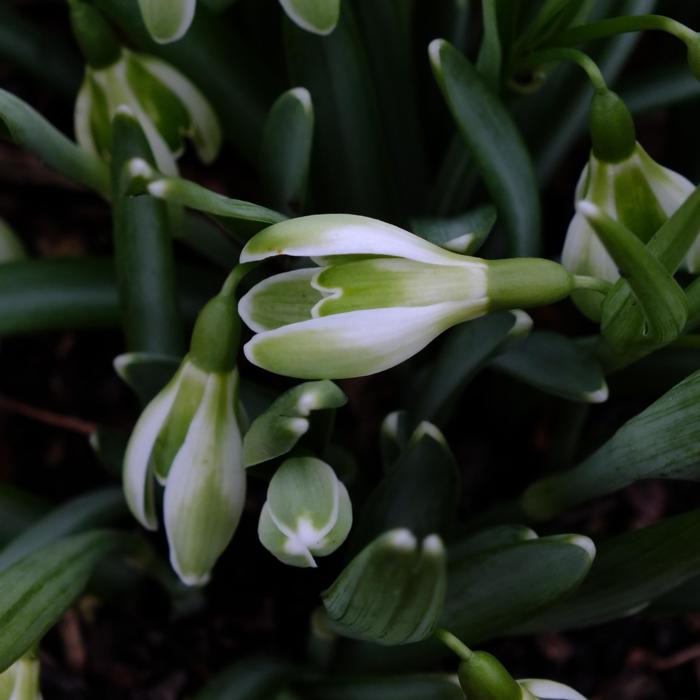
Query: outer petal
point(280, 300)
point(167, 20)
point(584, 254)
point(325, 235)
point(81, 119)
point(549, 690)
point(205, 490)
point(138, 479)
point(356, 343)
point(206, 130)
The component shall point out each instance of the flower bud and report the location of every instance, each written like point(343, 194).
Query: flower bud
point(307, 513)
point(483, 677)
point(166, 104)
point(612, 128)
point(189, 439)
point(21, 680)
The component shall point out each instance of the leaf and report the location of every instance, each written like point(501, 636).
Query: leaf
point(18, 510)
point(278, 430)
point(110, 446)
point(464, 233)
point(95, 509)
point(286, 149)
point(256, 678)
point(36, 590)
point(64, 293)
point(146, 373)
point(143, 252)
point(630, 571)
point(316, 16)
point(495, 144)
point(491, 538)
point(425, 473)
point(556, 365)
point(27, 128)
point(350, 169)
point(167, 20)
point(466, 349)
point(392, 592)
point(662, 442)
point(404, 687)
point(490, 592)
point(662, 87)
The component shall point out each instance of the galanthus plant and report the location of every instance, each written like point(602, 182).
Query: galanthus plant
point(349, 349)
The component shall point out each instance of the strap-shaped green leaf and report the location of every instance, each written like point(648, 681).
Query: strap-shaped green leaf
point(37, 589)
point(96, 509)
point(392, 592)
point(286, 150)
point(425, 473)
point(466, 349)
point(145, 262)
point(495, 144)
point(464, 233)
point(278, 430)
point(663, 441)
point(404, 687)
point(256, 678)
point(146, 373)
point(630, 571)
point(495, 537)
point(22, 125)
point(350, 167)
point(18, 510)
point(490, 592)
point(556, 365)
point(64, 293)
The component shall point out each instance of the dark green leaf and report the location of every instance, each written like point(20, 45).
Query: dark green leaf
point(27, 128)
point(146, 373)
point(491, 538)
point(257, 678)
point(495, 144)
point(36, 590)
point(286, 150)
point(405, 687)
point(663, 441)
point(464, 233)
point(490, 592)
point(18, 510)
point(556, 365)
point(630, 571)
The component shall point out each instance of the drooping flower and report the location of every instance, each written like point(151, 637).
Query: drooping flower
point(380, 295)
point(630, 187)
point(307, 513)
point(189, 439)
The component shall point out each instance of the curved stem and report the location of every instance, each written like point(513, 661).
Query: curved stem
point(585, 62)
point(453, 644)
point(235, 276)
point(592, 283)
point(623, 25)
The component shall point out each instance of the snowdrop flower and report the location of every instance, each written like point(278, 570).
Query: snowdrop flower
point(380, 295)
point(189, 439)
point(307, 513)
point(630, 187)
point(21, 680)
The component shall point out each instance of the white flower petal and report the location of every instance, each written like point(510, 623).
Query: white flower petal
point(356, 343)
point(549, 690)
point(584, 254)
point(206, 130)
point(138, 477)
point(167, 20)
point(345, 234)
point(205, 490)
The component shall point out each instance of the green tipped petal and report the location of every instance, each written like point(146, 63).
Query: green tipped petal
point(280, 300)
point(167, 20)
point(325, 235)
point(356, 343)
point(316, 16)
point(205, 489)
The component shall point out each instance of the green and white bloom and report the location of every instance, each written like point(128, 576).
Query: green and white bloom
point(189, 439)
point(539, 689)
point(167, 105)
point(21, 680)
point(307, 513)
point(627, 185)
point(167, 20)
point(380, 295)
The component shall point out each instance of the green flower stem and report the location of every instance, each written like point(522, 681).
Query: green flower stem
point(231, 283)
point(453, 644)
point(623, 25)
point(592, 283)
point(553, 55)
